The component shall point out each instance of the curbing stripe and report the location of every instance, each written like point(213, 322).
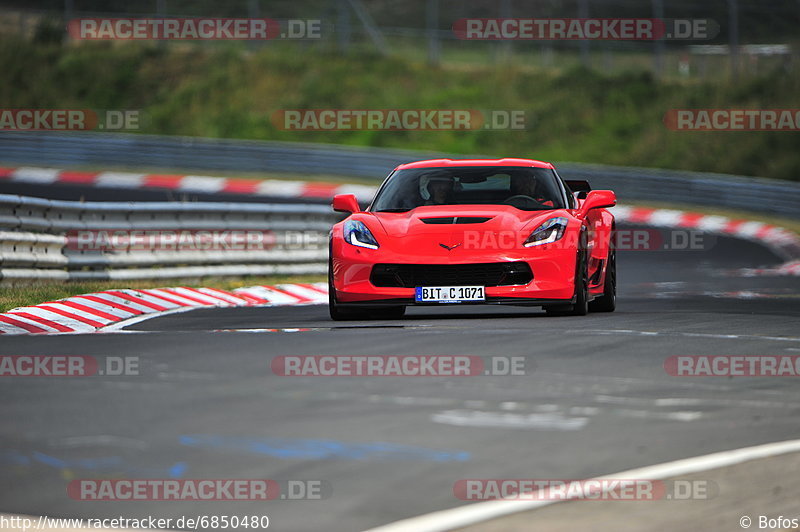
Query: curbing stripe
point(135, 299)
point(110, 307)
point(71, 315)
point(74, 314)
point(63, 318)
point(188, 183)
point(38, 318)
point(21, 326)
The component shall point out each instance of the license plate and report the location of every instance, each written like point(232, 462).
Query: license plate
point(448, 294)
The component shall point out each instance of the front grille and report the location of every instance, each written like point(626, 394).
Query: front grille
point(488, 274)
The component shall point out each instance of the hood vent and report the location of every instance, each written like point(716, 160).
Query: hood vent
point(449, 220)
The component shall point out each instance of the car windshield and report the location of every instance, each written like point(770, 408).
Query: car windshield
point(526, 188)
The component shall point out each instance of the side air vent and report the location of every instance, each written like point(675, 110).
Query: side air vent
point(456, 220)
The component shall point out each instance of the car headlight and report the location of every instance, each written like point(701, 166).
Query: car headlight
point(357, 234)
point(548, 232)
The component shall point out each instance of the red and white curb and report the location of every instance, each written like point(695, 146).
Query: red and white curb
point(782, 241)
point(187, 183)
point(108, 309)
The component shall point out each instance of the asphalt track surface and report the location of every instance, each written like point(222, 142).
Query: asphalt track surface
point(595, 398)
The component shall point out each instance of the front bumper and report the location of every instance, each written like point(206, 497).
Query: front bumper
point(553, 275)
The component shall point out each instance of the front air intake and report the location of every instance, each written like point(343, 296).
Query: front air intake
point(456, 220)
point(486, 274)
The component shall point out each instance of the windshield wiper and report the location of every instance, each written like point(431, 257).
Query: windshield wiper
point(393, 210)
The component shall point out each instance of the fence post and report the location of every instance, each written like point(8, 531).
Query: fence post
point(432, 23)
point(733, 25)
point(659, 44)
point(583, 12)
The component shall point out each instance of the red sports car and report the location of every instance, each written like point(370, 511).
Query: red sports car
point(497, 231)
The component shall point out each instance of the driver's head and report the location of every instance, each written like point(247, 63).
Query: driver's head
point(523, 185)
point(439, 187)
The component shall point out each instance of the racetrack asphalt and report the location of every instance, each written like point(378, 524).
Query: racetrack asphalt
point(595, 398)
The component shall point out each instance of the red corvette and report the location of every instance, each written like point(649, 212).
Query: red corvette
point(499, 231)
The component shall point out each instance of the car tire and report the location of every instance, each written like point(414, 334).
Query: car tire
point(580, 307)
point(608, 301)
point(335, 310)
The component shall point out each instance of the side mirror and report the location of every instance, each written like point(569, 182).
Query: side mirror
point(345, 203)
point(597, 199)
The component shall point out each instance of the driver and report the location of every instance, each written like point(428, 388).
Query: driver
point(439, 189)
point(526, 185)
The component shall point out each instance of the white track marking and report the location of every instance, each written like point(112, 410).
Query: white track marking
point(714, 224)
point(201, 183)
point(506, 420)
point(471, 514)
point(30, 174)
point(274, 187)
point(666, 217)
point(693, 335)
point(120, 179)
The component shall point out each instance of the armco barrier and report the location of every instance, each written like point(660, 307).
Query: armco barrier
point(191, 153)
point(33, 241)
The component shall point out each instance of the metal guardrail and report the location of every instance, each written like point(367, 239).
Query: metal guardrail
point(191, 153)
point(35, 239)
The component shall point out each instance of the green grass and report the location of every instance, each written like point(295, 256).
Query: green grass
point(32, 293)
point(572, 114)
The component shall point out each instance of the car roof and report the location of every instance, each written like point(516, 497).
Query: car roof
point(509, 161)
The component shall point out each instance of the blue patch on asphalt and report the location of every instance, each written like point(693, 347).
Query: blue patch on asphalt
point(82, 463)
point(178, 469)
point(312, 449)
point(113, 464)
